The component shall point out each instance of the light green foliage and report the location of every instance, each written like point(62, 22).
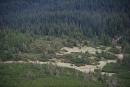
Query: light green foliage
point(46, 44)
point(12, 43)
point(28, 75)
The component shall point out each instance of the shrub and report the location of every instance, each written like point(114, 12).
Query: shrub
point(105, 55)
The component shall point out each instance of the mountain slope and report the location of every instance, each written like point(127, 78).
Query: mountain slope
point(61, 17)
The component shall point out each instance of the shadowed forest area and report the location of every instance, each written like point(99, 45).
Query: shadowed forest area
point(64, 43)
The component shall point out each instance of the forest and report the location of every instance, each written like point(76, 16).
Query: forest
point(73, 32)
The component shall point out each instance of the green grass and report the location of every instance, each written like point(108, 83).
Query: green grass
point(28, 75)
point(122, 72)
point(111, 68)
point(115, 68)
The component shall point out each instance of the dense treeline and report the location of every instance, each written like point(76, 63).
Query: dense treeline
point(23, 19)
point(67, 17)
point(38, 29)
point(11, 43)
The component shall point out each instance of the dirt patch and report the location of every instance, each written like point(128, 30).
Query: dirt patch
point(84, 49)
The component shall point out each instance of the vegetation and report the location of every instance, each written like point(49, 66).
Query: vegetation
point(115, 50)
point(73, 18)
point(28, 75)
point(12, 43)
point(38, 29)
point(23, 46)
point(105, 55)
point(78, 59)
point(122, 72)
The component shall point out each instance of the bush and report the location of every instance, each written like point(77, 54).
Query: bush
point(114, 50)
point(105, 55)
point(77, 59)
point(6, 55)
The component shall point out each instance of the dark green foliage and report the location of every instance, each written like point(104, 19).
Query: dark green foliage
point(6, 55)
point(122, 71)
point(126, 47)
point(78, 59)
point(124, 75)
point(105, 55)
point(115, 50)
point(126, 60)
point(12, 43)
point(115, 68)
point(24, 22)
point(74, 18)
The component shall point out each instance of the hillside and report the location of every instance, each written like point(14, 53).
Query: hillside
point(49, 17)
point(64, 43)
